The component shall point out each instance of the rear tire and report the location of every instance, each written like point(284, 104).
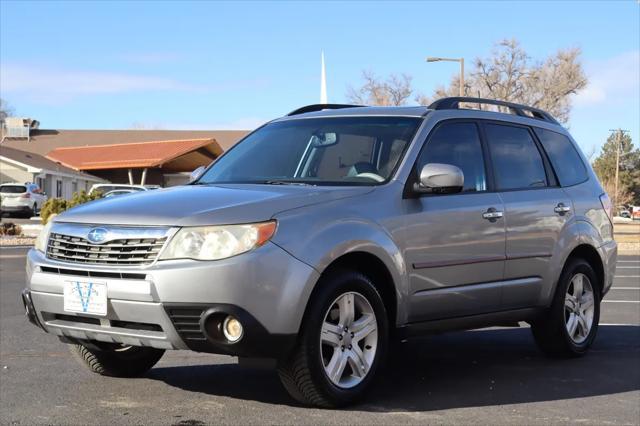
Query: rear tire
point(117, 360)
point(338, 351)
point(569, 327)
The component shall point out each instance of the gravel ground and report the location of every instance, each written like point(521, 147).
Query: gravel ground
point(17, 241)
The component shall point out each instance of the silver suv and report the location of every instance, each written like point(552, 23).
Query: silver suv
point(325, 236)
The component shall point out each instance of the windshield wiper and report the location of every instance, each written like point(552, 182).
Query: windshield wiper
point(285, 182)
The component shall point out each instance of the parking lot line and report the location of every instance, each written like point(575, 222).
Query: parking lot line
point(627, 267)
point(627, 276)
point(625, 288)
point(617, 324)
point(621, 301)
point(628, 261)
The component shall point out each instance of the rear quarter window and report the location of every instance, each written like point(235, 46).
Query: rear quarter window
point(564, 158)
point(13, 189)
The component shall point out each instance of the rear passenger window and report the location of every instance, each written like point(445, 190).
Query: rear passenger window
point(457, 144)
point(563, 156)
point(517, 163)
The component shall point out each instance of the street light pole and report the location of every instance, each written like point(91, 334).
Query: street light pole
point(460, 60)
point(461, 76)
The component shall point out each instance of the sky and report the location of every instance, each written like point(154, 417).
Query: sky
point(235, 65)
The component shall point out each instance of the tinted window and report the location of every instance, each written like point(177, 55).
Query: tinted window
point(516, 160)
point(457, 144)
point(563, 156)
point(13, 189)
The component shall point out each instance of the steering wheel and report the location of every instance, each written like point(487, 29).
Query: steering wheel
point(371, 176)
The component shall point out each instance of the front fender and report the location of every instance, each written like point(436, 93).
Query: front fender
point(319, 243)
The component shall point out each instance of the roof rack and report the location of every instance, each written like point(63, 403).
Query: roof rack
point(518, 109)
point(320, 107)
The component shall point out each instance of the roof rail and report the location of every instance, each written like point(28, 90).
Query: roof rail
point(518, 109)
point(320, 107)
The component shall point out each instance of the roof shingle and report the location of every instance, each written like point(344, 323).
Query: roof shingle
point(40, 162)
point(130, 155)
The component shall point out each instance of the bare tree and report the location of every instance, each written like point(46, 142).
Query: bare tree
point(395, 90)
point(509, 74)
point(5, 110)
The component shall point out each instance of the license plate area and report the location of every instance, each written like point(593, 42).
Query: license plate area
point(85, 297)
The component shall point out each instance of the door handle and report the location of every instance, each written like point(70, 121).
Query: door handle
point(561, 209)
point(492, 214)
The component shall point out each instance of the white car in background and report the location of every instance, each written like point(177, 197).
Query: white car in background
point(105, 188)
point(25, 198)
point(108, 187)
point(119, 192)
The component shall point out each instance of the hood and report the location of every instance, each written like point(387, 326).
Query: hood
point(196, 205)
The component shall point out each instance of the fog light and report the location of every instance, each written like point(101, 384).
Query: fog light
point(232, 329)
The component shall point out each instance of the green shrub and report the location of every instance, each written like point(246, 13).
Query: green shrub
point(58, 205)
point(10, 228)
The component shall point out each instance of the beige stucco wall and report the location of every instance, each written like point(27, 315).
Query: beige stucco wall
point(174, 179)
point(11, 173)
point(68, 186)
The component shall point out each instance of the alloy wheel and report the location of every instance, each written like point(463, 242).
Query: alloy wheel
point(579, 307)
point(348, 340)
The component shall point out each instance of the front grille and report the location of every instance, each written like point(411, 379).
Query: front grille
point(129, 251)
point(94, 274)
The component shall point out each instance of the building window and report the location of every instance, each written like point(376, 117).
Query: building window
point(58, 189)
point(74, 187)
point(40, 182)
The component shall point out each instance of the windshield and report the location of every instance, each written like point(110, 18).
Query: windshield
point(317, 151)
point(13, 189)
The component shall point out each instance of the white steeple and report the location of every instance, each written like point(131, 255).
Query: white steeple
point(323, 81)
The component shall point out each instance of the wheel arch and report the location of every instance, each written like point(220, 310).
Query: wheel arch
point(590, 254)
point(373, 268)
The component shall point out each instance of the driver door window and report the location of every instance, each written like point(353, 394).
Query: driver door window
point(457, 144)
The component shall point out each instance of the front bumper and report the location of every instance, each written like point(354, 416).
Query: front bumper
point(164, 305)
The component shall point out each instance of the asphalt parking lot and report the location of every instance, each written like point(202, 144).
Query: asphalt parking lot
point(491, 376)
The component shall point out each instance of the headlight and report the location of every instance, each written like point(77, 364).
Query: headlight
point(43, 236)
point(218, 242)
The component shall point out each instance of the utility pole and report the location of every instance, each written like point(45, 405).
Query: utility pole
point(323, 80)
point(619, 134)
point(460, 60)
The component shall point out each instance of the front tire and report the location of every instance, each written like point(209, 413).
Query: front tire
point(117, 360)
point(570, 327)
point(342, 344)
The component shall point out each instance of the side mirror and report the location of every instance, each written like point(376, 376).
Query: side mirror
point(436, 178)
point(196, 173)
